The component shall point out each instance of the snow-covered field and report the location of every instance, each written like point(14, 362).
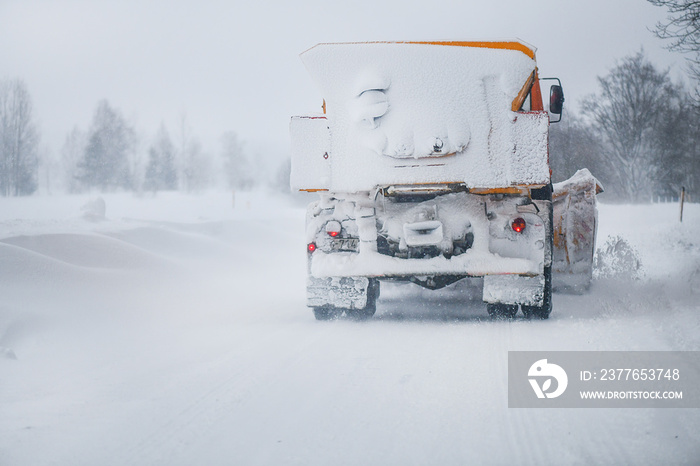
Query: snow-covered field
point(174, 332)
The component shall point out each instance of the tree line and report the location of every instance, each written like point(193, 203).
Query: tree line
point(112, 155)
point(108, 157)
point(19, 140)
point(639, 134)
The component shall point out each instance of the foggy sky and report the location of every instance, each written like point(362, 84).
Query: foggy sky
point(231, 65)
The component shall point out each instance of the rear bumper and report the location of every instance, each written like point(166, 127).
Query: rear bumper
point(506, 280)
point(369, 263)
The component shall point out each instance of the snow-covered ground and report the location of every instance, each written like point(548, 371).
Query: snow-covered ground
point(175, 332)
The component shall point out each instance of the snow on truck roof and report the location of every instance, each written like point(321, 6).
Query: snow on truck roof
point(333, 64)
point(521, 46)
point(415, 104)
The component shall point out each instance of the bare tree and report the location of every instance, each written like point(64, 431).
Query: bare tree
point(573, 145)
point(19, 139)
point(628, 114)
point(678, 148)
point(682, 25)
point(682, 29)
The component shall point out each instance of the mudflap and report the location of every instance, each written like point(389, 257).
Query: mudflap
point(575, 227)
point(514, 289)
point(337, 292)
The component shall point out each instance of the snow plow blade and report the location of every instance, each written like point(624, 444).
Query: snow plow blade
point(575, 225)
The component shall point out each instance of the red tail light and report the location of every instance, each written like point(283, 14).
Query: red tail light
point(333, 228)
point(311, 247)
point(518, 225)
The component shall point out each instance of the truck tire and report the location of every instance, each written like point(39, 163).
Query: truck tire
point(327, 313)
point(542, 312)
point(361, 314)
point(502, 311)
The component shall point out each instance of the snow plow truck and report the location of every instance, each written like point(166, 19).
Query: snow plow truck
point(431, 163)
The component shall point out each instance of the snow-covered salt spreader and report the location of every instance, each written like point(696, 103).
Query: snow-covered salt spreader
point(431, 162)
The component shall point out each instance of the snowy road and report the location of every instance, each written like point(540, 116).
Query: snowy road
point(182, 338)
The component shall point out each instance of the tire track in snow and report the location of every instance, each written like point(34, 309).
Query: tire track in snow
point(166, 441)
point(523, 432)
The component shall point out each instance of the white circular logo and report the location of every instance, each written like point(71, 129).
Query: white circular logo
point(542, 371)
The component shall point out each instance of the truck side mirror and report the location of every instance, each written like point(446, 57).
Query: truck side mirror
point(556, 99)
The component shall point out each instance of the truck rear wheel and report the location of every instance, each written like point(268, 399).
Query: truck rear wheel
point(327, 313)
point(542, 312)
point(361, 314)
point(502, 311)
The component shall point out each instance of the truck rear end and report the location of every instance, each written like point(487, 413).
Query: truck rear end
point(431, 165)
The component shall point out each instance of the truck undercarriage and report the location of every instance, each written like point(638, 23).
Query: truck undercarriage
point(432, 238)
